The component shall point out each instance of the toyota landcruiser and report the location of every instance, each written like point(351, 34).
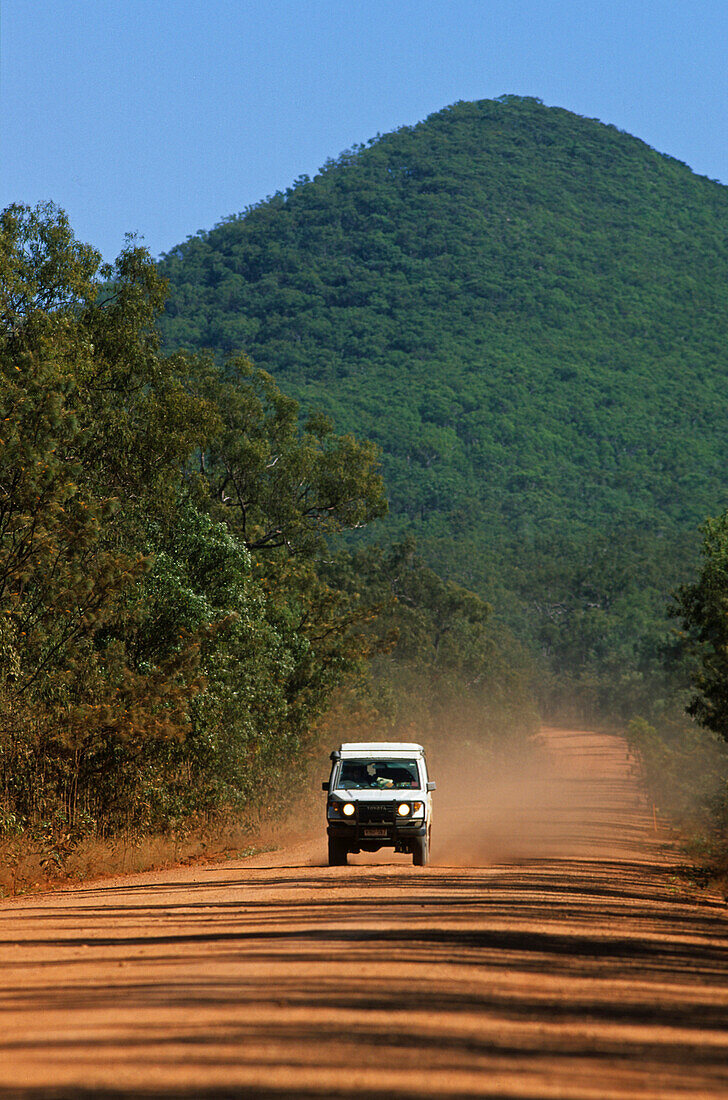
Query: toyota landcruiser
point(379, 796)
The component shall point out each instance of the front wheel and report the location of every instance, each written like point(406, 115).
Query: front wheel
point(421, 851)
point(338, 852)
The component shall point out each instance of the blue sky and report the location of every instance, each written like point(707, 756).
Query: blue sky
point(160, 117)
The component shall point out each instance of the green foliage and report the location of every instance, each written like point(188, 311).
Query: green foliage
point(200, 591)
point(703, 608)
point(527, 311)
point(276, 485)
point(442, 670)
point(685, 759)
point(85, 402)
point(285, 490)
point(150, 668)
point(46, 276)
point(686, 772)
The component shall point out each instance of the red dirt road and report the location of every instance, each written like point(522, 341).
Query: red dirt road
point(578, 967)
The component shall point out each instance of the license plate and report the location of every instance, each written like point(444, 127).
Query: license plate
point(375, 832)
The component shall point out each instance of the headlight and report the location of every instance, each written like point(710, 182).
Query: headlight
point(404, 809)
point(340, 809)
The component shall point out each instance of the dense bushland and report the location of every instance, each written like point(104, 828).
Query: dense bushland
point(683, 743)
point(178, 619)
point(152, 664)
point(527, 311)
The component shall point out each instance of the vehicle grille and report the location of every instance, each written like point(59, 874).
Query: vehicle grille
point(370, 812)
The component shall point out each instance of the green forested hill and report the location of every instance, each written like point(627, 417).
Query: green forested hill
point(528, 311)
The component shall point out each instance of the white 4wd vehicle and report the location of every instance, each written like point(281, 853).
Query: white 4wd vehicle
point(379, 797)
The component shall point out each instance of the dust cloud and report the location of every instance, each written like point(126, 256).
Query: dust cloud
point(562, 794)
point(536, 803)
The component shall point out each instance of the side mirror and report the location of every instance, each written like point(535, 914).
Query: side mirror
point(431, 786)
point(325, 786)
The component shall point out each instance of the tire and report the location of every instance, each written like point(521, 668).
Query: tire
point(421, 851)
point(337, 852)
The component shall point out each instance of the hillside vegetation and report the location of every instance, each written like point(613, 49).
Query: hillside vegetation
point(526, 310)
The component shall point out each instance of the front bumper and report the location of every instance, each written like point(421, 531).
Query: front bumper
point(370, 835)
point(376, 832)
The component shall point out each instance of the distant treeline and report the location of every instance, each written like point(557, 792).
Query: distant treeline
point(179, 620)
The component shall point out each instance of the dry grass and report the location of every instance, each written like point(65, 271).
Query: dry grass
point(30, 866)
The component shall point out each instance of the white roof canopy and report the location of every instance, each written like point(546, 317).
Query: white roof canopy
point(363, 748)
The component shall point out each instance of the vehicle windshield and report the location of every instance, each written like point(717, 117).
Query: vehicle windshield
point(378, 774)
